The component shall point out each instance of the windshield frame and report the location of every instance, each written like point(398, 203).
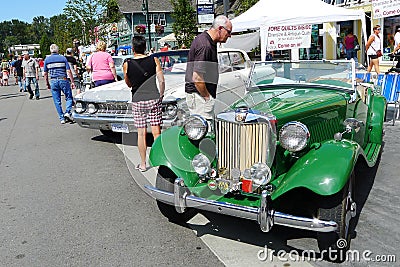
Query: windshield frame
point(302, 80)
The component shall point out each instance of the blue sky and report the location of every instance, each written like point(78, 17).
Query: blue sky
point(26, 10)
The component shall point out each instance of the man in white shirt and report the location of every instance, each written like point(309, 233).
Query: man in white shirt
point(31, 75)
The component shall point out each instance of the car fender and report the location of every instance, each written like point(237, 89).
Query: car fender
point(377, 114)
point(174, 150)
point(323, 170)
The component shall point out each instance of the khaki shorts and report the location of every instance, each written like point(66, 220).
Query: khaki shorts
point(198, 105)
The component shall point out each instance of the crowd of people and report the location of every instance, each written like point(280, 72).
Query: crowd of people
point(25, 70)
point(200, 94)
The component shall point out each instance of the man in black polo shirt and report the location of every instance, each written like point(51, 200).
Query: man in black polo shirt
point(202, 68)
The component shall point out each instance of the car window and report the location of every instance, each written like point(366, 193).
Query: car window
point(231, 61)
point(224, 63)
point(237, 60)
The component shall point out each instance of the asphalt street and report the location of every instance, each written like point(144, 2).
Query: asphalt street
point(70, 197)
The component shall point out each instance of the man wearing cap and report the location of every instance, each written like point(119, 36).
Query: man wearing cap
point(58, 68)
point(31, 75)
point(397, 44)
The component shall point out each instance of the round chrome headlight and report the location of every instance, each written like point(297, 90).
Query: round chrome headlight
point(195, 127)
point(294, 136)
point(260, 173)
point(92, 108)
point(79, 107)
point(169, 111)
point(201, 164)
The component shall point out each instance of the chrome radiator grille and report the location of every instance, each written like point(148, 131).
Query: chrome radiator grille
point(241, 145)
point(114, 108)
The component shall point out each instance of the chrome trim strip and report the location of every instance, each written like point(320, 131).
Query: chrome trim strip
point(104, 122)
point(251, 213)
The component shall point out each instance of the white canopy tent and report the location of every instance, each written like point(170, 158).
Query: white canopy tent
point(246, 41)
point(168, 38)
point(266, 13)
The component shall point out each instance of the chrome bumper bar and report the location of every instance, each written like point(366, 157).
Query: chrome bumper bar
point(103, 122)
point(264, 214)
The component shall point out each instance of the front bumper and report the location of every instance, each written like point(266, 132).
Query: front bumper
point(104, 122)
point(264, 214)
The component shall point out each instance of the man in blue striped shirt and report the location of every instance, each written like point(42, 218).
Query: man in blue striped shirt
point(58, 68)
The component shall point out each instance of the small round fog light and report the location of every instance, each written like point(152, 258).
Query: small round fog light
point(201, 164)
point(260, 173)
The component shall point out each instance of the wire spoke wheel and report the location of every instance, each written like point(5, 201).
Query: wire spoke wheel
point(340, 208)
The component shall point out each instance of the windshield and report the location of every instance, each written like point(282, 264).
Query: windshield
point(335, 74)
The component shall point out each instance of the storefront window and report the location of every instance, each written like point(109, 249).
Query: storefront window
point(344, 28)
point(315, 51)
point(389, 30)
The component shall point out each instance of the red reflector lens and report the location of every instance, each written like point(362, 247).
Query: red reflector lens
point(247, 185)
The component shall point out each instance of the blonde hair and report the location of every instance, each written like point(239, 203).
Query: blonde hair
point(101, 46)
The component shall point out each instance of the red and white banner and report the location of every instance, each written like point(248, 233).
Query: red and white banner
point(385, 8)
point(288, 37)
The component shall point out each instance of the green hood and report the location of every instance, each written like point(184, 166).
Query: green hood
point(295, 104)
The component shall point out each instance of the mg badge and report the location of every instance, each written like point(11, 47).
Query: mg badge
point(241, 114)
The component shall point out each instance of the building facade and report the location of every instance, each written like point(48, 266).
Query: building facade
point(139, 18)
point(20, 49)
point(388, 25)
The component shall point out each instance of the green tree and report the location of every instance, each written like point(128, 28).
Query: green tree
point(45, 43)
point(40, 25)
point(113, 14)
point(13, 32)
point(78, 21)
point(59, 32)
point(87, 14)
point(244, 5)
point(185, 23)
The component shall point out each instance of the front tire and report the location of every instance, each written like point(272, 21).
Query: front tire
point(165, 181)
point(340, 208)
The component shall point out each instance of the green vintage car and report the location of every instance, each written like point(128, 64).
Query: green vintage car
point(284, 154)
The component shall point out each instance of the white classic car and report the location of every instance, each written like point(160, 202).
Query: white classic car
point(108, 108)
